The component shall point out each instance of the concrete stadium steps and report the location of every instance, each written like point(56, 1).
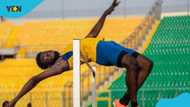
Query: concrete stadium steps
point(121, 28)
point(148, 38)
point(135, 39)
point(169, 50)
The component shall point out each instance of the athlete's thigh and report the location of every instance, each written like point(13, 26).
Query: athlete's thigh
point(128, 60)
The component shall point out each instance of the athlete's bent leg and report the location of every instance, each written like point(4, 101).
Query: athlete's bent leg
point(145, 65)
point(131, 79)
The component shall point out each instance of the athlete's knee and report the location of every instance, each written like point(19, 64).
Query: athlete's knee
point(151, 64)
point(148, 64)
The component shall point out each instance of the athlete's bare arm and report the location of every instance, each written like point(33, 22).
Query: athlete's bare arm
point(98, 26)
point(59, 67)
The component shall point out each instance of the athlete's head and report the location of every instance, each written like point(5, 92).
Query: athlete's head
point(47, 58)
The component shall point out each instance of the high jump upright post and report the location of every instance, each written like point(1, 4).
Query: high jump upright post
point(76, 73)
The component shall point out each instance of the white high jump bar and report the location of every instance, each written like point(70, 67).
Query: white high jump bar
point(76, 73)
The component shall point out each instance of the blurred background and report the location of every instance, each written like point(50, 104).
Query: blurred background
point(158, 29)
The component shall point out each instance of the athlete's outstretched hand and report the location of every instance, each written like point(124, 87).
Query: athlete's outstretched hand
point(94, 32)
point(112, 7)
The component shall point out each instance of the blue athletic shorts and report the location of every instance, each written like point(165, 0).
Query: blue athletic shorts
point(109, 53)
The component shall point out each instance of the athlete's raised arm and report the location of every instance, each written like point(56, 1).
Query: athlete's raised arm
point(59, 67)
point(98, 26)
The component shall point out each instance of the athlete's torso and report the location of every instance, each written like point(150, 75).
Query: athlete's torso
point(87, 47)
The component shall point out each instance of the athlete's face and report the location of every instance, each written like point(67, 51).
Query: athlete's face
point(48, 56)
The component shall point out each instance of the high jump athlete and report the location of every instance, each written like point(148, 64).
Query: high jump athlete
point(107, 53)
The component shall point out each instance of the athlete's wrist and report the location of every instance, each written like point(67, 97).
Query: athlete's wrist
point(12, 102)
point(105, 14)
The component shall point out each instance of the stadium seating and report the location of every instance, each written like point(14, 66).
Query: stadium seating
point(55, 34)
point(5, 29)
point(169, 50)
point(13, 78)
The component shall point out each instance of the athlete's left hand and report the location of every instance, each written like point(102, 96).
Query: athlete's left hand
point(8, 104)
